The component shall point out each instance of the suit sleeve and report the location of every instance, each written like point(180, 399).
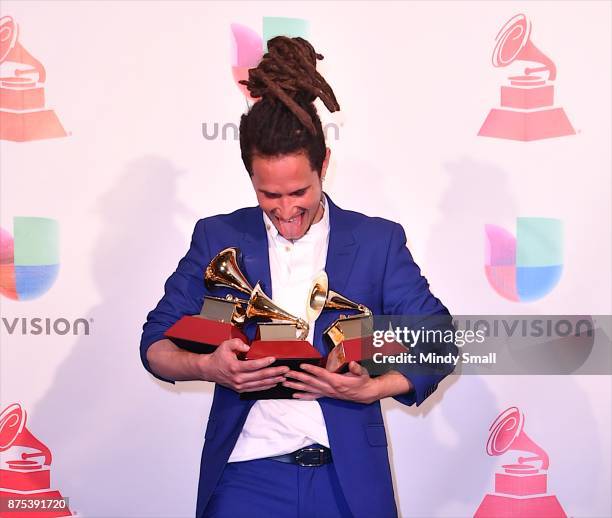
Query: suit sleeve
point(183, 294)
point(406, 292)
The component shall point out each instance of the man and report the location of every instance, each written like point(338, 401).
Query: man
point(324, 453)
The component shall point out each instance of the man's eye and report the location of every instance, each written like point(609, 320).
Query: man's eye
point(299, 193)
point(271, 195)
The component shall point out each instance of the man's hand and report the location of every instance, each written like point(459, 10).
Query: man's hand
point(356, 385)
point(225, 368)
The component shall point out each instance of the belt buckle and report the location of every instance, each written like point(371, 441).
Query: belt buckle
point(314, 457)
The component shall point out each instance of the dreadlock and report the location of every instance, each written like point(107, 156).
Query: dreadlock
point(285, 120)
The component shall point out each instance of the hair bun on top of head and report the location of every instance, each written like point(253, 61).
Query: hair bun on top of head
point(288, 72)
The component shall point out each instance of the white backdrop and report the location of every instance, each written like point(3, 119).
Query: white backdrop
point(133, 82)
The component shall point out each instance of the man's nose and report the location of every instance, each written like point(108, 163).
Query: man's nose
point(285, 208)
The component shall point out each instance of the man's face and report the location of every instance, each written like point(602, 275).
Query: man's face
point(289, 192)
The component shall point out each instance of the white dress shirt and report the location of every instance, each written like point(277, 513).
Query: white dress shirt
point(278, 426)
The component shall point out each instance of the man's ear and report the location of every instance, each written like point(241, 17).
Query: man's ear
point(325, 163)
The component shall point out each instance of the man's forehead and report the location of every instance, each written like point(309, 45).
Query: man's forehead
point(282, 177)
point(296, 163)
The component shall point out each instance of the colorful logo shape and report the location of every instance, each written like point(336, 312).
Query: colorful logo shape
point(526, 112)
point(525, 268)
point(23, 116)
point(29, 259)
point(249, 46)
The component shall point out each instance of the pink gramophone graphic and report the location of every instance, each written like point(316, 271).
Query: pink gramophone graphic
point(527, 111)
point(26, 476)
point(23, 116)
point(520, 489)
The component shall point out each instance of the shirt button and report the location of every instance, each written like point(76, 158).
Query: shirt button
point(288, 248)
point(267, 227)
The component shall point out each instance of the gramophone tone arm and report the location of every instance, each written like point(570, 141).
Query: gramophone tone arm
point(547, 64)
point(28, 59)
point(542, 458)
point(303, 326)
point(46, 455)
point(365, 310)
point(552, 73)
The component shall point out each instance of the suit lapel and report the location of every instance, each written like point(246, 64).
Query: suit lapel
point(341, 252)
point(254, 248)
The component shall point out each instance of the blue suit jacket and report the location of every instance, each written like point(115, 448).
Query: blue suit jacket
point(367, 261)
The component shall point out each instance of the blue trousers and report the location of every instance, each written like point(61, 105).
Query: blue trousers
point(274, 489)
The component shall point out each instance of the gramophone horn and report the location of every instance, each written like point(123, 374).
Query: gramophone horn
point(513, 42)
point(12, 50)
point(223, 270)
point(260, 305)
point(337, 301)
point(506, 433)
point(321, 297)
point(317, 296)
point(13, 432)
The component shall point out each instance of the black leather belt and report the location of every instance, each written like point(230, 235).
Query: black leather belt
point(315, 455)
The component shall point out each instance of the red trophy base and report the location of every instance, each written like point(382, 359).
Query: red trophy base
point(344, 353)
point(26, 126)
point(47, 503)
point(360, 350)
point(200, 335)
point(506, 506)
point(526, 125)
point(291, 353)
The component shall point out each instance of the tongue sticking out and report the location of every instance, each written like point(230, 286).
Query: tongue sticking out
point(290, 229)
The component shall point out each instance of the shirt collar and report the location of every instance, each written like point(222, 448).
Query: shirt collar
point(316, 231)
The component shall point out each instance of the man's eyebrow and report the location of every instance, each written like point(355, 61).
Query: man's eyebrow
point(268, 193)
point(294, 193)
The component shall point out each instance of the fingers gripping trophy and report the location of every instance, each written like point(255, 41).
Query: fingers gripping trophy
point(279, 333)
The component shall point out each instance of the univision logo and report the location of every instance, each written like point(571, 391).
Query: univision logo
point(525, 268)
point(249, 46)
point(248, 49)
point(29, 258)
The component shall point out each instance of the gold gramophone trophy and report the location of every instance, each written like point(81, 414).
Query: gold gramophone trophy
point(221, 318)
point(350, 336)
point(284, 337)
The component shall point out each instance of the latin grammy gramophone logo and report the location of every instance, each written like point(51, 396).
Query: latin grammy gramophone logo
point(521, 487)
point(23, 116)
point(25, 471)
point(527, 109)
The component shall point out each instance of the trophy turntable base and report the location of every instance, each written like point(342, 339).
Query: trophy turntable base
point(507, 506)
point(25, 479)
point(362, 351)
point(199, 335)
